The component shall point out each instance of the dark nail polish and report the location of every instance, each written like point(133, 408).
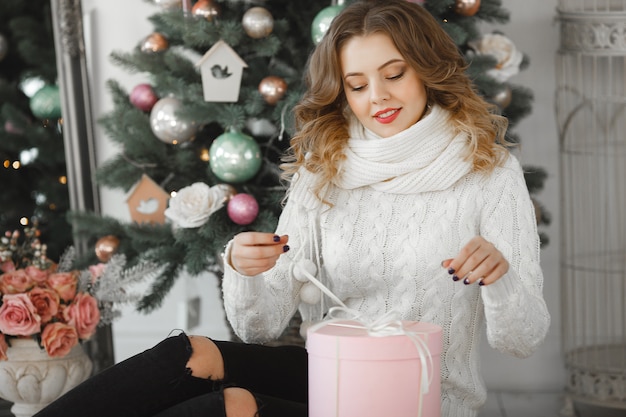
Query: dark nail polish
point(466, 281)
point(455, 278)
point(450, 271)
point(481, 282)
point(276, 238)
point(285, 248)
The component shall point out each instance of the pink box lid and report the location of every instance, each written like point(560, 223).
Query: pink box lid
point(335, 340)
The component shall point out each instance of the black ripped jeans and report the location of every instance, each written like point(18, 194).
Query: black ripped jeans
point(157, 383)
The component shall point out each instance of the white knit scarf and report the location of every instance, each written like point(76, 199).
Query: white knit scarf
point(428, 156)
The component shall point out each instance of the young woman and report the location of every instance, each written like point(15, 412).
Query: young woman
point(403, 197)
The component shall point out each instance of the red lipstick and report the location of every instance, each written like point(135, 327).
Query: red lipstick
point(387, 115)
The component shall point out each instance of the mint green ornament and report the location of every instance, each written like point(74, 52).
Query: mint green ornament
point(235, 157)
point(322, 20)
point(46, 103)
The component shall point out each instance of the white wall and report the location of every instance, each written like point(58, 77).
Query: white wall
point(534, 30)
point(120, 25)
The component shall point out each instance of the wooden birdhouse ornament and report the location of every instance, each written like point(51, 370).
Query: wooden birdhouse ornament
point(221, 69)
point(147, 201)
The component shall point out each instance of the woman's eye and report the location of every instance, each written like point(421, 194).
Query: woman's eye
point(357, 88)
point(396, 77)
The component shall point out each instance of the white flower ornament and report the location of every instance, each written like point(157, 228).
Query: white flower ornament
point(193, 205)
point(503, 49)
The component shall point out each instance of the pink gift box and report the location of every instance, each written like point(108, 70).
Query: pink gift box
point(355, 374)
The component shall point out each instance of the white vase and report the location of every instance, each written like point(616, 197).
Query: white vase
point(31, 379)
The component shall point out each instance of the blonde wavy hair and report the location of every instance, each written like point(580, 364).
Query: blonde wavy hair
point(321, 115)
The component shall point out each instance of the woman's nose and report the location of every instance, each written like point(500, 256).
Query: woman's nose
point(378, 92)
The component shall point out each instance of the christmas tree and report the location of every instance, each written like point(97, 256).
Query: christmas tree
point(202, 137)
point(33, 175)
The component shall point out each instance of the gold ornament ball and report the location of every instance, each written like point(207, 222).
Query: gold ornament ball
point(207, 9)
point(106, 247)
point(258, 22)
point(466, 7)
point(272, 88)
point(155, 42)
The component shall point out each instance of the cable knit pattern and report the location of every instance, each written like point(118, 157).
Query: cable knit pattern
point(381, 250)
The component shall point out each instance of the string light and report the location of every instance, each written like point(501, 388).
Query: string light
point(204, 154)
point(63, 179)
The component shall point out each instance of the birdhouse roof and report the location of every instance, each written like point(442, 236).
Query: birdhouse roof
point(146, 184)
point(221, 45)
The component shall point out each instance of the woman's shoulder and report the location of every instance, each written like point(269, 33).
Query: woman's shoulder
point(301, 188)
point(509, 174)
point(508, 171)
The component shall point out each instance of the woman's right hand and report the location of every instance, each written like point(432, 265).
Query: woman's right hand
point(252, 253)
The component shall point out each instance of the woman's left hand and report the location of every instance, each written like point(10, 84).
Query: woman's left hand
point(478, 261)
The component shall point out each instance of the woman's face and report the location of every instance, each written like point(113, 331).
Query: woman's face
point(382, 89)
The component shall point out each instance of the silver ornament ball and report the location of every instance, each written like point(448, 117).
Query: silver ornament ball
point(166, 123)
point(258, 22)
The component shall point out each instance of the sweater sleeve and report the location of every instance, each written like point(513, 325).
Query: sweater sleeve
point(516, 313)
point(259, 307)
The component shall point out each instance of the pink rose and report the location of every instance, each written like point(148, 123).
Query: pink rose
point(64, 283)
point(83, 314)
point(46, 302)
point(36, 274)
point(14, 282)
point(58, 339)
point(3, 348)
point(18, 316)
point(7, 266)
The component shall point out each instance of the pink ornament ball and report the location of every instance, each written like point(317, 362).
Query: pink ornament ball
point(10, 127)
point(242, 209)
point(143, 97)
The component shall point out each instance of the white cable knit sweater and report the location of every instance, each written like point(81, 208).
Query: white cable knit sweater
point(401, 206)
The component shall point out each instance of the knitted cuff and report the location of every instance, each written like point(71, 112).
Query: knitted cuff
point(498, 293)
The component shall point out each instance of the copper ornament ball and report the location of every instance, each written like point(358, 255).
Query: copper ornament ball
point(155, 42)
point(466, 7)
point(503, 97)
point(272, 88)
point(207, 9)
point(106, 247)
